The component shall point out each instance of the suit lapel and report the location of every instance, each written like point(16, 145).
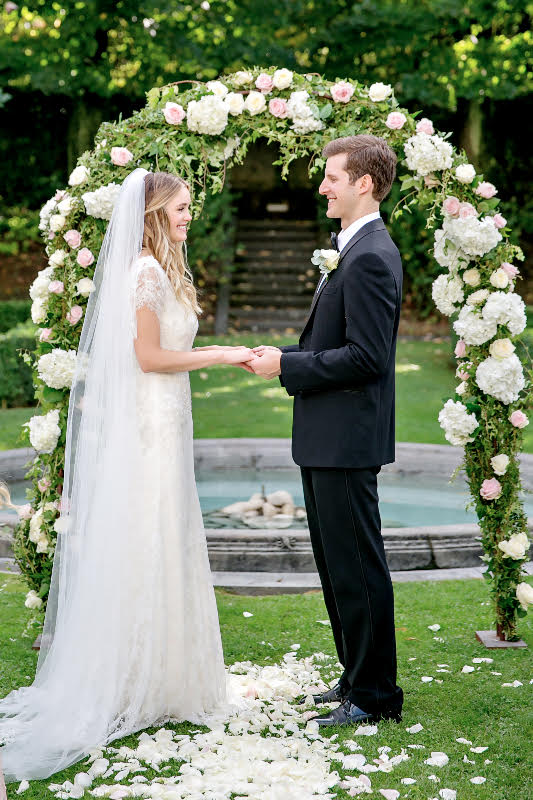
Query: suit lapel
point(370, 227)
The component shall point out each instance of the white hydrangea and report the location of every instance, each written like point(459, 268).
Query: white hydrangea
point(457, 423)
point(302, 114)
point(447, 253)
point(45, 431)
point(101, 202)
point(474, 236)
point(39, 310)
point(501, 378)
point(446, 292)
point(39, 287)
point(78, 176)
point(33, 600)
point(37, 534)
point(427, 153)
point(476, 298)
point(207, 115)
point(45, 213)
point(57, 368)
point(473, 328)
point(506, 308)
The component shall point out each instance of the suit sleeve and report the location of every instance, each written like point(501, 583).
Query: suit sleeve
point(290, 348)
point(370, 301)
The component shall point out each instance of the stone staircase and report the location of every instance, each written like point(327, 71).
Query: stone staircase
point(274, 283)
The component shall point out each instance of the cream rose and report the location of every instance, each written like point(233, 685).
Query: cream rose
point(85, 286)
point(499, 279)
point(472, 277)
point(57, 222)
point(501, 348)
point(235, 103)
point(379, 91)
point(218, 88)
point(476, 298)
point(499, 463)
point(33, 600)
point(78, 175)
point(282, 79)
point(524, 595)
point(57, 258)
point(516, 546)
point(465, 173)
point(255, 103)
point(242, 78)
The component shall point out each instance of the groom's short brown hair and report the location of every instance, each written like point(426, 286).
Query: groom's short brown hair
point(366, 155)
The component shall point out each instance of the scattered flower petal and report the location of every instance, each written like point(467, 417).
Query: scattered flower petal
point(366, 730)
point(247, 614)
point(478, 749)
point(434, 628)
point(448, 794)
point(513, 685)
point(463, 741)
point(468, 668)
point(415, 728)
point(407, 781)
point(437, 759)
point(23, 785)
point(482, 660)
point(426, 678)
point(390, 794)
point(478, 779)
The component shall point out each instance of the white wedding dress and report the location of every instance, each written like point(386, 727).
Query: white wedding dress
point(140, 641)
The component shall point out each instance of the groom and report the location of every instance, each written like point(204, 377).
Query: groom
point(341, 374)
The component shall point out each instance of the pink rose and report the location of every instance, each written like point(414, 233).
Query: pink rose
point(120, 156)
point(43, 485)
point(342, 91)
point(45, 335)
point(499, 221)
point(460, 349)
point(451, 206)
point(462, 375)
point(25, 512)
point(486, 190)
point(278, 107)
point(59, 195)
point(74, 315)
point(73, 239)
point(518, 419)
point(425, 126)
point(396, 120)
point(85, 257)
point(467, 210)
point(56, 287)
point(173, 113)
point(264, 83)
point(491, 489)
point(511, 271)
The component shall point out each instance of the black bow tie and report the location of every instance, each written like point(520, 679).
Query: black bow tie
point(334, 241)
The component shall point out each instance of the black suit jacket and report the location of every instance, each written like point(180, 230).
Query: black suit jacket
point(342, 371)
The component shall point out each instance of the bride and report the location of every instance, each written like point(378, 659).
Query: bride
point(131, 635)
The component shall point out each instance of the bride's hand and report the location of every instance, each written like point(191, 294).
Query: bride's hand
point(236, 355)
point(262, 347)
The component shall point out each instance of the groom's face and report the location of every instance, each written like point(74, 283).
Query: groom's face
point(342, 195)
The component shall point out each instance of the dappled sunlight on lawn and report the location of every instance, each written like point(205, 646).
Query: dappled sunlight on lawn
point(400, 368)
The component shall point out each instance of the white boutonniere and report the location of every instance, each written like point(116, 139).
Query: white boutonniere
point(326, 260)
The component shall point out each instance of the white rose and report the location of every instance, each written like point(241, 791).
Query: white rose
point(501, 348)
point(242, 78)
point(38, 310)
point(33, 600)
point(57, 258)
point(524, 595)
point(85, 286)
point(39, 287)
point(516, 546)
point(465, 173)
point(500, 463)
point(461, 389)
point(282, 78)
point(42, 544)
point(379, 92)
point(499, 279)
point(255, 103)
point(78, 175)
point(66, 205)
point(36, 532)
point(235, 103)
point(218, 88)
point(57, 222)
point(472, 277)
point(44, 431)
point(476, 298)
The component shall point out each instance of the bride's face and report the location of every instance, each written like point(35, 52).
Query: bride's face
point(178, 214)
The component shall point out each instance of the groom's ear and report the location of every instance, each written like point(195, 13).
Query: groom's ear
point(365, 184)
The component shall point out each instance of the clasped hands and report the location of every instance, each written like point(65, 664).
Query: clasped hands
point(263, 360)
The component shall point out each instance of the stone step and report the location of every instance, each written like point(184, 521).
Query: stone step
point(266, 254)
point(290, 268)
point(273, 236)
point(263, 279)
point(267, 326)
point(281, 314)
point(277, 224)
point(270, 301)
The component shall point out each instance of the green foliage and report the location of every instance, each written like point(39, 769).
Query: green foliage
point(19, 227)
point(12, 312)
point(16, 386)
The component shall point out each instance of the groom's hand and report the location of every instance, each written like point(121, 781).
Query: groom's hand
point(267, 363)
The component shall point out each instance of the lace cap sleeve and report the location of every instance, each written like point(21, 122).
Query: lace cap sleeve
point(148, 290)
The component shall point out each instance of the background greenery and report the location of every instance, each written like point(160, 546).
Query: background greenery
point(67, 67)
point(475, 706)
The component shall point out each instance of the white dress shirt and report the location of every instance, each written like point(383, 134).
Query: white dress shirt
point(348, 233)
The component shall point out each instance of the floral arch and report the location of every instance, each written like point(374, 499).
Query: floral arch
point(199, 130)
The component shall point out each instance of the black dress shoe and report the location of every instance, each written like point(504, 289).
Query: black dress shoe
point(350, 714)
point(334, 695)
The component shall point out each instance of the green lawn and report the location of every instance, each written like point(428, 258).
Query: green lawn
point(229, 402)
point(475, 706)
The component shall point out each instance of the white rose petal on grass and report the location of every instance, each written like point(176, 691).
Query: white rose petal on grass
point(463, 741)
point(247, 614)
point(415, 728)
point(437, 759)
point(390, 794)
point(478, 749)
point(324, 622)
point(434, 628)
point(23, 785)
point(448, 794)
point(513, 685)
point(426, 678)
point(479, 779)
point(366, 730)
point(482, 660)
point(468, 668)
point(433, 778)
point(407, 781)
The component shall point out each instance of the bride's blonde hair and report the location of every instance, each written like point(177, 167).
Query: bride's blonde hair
point(160, 188)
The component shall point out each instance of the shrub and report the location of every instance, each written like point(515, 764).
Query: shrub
point(16, 385)
point(13, 312)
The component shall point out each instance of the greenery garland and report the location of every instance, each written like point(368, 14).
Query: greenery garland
point(199, 131)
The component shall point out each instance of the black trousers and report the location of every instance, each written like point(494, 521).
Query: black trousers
point(345, 527)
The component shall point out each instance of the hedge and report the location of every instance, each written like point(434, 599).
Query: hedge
point(16, 382)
